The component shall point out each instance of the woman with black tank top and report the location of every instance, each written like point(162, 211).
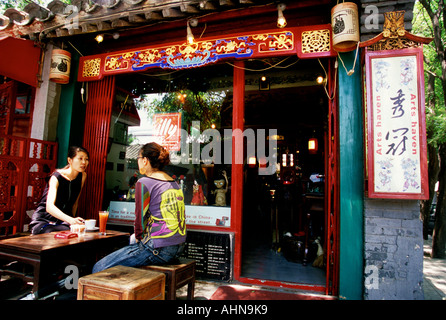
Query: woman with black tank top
point(57, 208)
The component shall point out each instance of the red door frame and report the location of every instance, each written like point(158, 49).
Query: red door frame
point(332, 202)
point(238, 117)
point(332, 187)
point(331, 190)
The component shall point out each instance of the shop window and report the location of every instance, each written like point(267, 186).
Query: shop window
point(201, 173)
point(24, 99)
point(16, 108)
point(177, 111)
point(23, 110)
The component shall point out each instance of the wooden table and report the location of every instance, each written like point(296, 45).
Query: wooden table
point(47, 255)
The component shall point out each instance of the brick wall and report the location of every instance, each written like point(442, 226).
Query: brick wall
point(393, 250)
point(371, 15)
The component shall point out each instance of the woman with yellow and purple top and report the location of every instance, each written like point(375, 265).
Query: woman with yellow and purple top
point(160, 222)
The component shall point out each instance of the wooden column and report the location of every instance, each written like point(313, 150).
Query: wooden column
point(238, 114)
point(351, 183)
point(101, 96)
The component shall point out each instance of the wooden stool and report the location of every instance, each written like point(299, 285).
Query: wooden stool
point(177, 275)
point(122, 283)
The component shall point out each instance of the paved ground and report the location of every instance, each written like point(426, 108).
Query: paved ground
point(434, 283)
point(434, 271)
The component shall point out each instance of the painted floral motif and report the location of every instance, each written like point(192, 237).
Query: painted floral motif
point(200, 53)
point(381, 75)
point(407, 71)
point(384, 174)
point(411, 178)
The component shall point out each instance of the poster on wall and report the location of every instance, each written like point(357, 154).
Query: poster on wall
point(167, 128)
point(396, 137)
point(121, 213)
point(208, 216)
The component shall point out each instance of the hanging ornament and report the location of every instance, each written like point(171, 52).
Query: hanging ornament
point(60, 66)
point(345, 25)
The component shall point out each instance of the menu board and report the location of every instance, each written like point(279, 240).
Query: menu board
point(212, 252)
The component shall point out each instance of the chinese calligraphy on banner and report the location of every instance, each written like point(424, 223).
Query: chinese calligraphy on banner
point(396, 128)
point(168, 130)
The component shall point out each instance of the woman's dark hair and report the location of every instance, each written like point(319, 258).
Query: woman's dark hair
point(158, 156)
point(73, 151)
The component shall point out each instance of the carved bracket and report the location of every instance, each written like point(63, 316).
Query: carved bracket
point(394, 36)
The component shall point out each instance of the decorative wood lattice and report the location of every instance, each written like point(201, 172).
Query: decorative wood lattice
point(316, 41)
point(25, 165)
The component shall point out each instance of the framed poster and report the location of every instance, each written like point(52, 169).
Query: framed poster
point(167, 128)
point(396, 128)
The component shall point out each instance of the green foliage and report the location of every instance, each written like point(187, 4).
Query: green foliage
point(436, 113)
point(205, 107)
point(20, 4)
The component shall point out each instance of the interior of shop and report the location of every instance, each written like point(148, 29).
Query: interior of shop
point(283, 213)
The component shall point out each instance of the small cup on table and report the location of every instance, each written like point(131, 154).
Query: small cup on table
point(90, 224)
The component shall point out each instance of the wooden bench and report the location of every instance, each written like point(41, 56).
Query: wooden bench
point(122, 283)
point(177, 275)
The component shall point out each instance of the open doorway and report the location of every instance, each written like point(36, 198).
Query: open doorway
point(283, 214)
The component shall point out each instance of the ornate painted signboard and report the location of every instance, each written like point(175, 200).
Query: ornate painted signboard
point(306, 42)
point(397, 161)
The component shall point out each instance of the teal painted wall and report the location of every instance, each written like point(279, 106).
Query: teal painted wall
point(71, 114)
point(64, 123)
point(351, 182)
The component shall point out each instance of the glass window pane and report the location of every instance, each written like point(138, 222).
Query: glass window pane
point(187, 112)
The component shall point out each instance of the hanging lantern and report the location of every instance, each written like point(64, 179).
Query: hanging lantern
point(60, 66)
point(252, 161)
point(312, 146)
point(345, 25)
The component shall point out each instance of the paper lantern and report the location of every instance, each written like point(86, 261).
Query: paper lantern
point(60, 66)
point(345, 24)
point(312, 146)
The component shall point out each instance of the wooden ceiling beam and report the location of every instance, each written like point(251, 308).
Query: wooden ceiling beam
point(172, 13)
point(119, 23)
